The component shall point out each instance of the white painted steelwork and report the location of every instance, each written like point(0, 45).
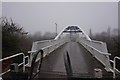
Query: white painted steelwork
point(47, 46)
point(99, 53)
point(114, 66)
point(82, 31)
point(13, 56)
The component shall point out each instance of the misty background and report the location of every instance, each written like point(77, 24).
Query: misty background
point(42, 16)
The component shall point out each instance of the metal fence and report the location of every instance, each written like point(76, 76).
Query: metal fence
point(20, 64)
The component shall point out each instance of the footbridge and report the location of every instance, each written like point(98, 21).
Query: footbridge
point(72, 54)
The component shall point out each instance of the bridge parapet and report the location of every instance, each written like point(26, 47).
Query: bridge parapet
point(47, 46)
point(99, 45)
point(98, 50)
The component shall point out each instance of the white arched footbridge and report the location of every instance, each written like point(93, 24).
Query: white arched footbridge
point(71, 54)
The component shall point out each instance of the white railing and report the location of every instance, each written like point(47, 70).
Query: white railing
point(94, 47)
point(47, 46)
point(101, 46)
point(13, 56)
point(114, 66)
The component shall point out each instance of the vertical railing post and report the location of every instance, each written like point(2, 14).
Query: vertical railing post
point(114, 68)
point(30, 58)
point(23, 62)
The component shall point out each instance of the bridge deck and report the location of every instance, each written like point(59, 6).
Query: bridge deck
point(81, 60)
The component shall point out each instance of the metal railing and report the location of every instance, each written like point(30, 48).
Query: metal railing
point(99, 50)
point(102, 57)
point(47, 46)
point(101, 46)
point(13, 56)
point(114, 66)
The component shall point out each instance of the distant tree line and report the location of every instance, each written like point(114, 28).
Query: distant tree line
point(16, 40)
point(112, 39)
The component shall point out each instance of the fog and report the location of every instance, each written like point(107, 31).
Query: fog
point(42, 16)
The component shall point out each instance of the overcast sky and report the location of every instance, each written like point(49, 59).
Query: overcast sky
point(39, 16)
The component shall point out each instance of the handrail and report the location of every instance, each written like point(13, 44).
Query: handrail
point(99, 42)
point(22, 63)
point(11, 56)
point(114, 67)
point(5, 72)
point(98, 50)
point(102, 57)
point(47, 48)
point(101, 46)
point(42, 41)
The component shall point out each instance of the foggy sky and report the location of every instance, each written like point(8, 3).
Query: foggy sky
point(40, 16)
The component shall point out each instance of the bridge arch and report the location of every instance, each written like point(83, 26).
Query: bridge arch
point(72, 28)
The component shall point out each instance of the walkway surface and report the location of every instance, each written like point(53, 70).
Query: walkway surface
point(82, 61)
